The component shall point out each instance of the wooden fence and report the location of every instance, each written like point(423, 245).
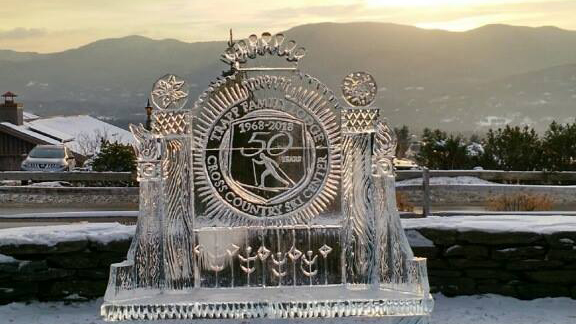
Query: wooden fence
point(489, 175)
point(542, 177)
point(493, 175)
point(80, 176)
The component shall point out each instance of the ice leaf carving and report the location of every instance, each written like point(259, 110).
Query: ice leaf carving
point(145, 146)
point(384, 149)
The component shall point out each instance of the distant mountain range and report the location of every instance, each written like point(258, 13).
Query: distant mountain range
point(458, 81)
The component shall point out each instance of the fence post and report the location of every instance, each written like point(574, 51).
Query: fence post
point(425, 192)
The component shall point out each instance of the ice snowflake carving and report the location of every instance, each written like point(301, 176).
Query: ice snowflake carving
point(169, 92)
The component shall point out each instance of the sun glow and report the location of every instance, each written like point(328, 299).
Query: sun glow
point(453, 15)
point(462, 24)
point(434, 3)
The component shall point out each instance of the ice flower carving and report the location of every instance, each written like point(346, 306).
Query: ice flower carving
point(169, 92)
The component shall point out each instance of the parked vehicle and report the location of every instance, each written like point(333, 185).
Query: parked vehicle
point(49, 158)
point(405, 164)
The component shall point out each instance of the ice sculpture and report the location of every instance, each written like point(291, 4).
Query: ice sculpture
point(267, 199)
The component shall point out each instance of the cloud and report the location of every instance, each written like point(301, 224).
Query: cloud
point(21, 33)
point(54, 25)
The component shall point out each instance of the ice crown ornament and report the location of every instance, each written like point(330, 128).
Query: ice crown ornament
point(267, 199)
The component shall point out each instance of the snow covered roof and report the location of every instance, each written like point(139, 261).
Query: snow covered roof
point(80, 128)
point(22, 129)
point(72, 131)
point(29, 116)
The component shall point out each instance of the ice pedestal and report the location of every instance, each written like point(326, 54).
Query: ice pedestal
point(253, 283)
point(267, 199)
point(273, 302)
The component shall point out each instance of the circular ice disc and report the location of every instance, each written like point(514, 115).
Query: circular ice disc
point(169, 92)
point(359, 89)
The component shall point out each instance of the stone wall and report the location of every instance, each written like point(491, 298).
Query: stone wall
point(524, 264)
point(461, 261)
point(67, 270)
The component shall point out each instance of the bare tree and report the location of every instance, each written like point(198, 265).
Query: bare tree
point(89, 143)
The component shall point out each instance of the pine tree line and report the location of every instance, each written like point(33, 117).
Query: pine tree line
point(512, 148)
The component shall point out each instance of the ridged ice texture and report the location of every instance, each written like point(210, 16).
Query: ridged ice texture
point(357, 195)
point(267, 199)
point(249, 310)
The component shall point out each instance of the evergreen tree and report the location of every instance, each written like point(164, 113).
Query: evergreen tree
point(559, 144)
point(403, 137)
point(513, 149)
point(115, 157)
point(475, 151)
point(442, 151)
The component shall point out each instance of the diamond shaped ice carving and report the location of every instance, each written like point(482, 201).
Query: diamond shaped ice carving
point(263, 253)
point(294, 253)
point(324, 250)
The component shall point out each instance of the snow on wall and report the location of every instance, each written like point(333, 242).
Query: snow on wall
point(7, 259)
point(108, 232)
point(418, 240)
point(495, 224)
point(51, 235)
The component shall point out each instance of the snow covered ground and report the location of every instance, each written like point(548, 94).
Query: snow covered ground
point(485, 309)
point(446, 181)
point(51, 184)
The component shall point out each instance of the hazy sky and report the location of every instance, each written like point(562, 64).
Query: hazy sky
point(54, 25)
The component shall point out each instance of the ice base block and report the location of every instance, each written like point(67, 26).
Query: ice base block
point(271, 302)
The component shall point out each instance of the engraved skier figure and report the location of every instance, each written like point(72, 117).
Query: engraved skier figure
point(271, 169)
point(267, 157)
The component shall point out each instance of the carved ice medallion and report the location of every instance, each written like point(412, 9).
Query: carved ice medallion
point(169, 92)
point(359, 89)
point(268, 149)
